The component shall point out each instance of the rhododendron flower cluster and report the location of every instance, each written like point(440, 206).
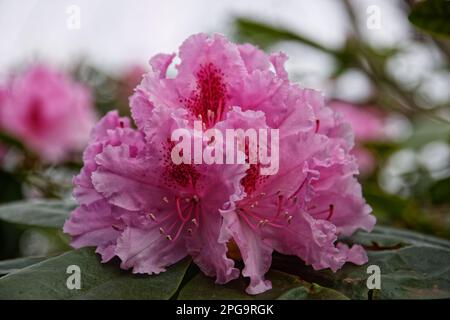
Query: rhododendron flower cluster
point(47, 111)
point(137, 204)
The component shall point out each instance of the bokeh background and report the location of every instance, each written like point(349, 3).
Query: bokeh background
point(388, 77)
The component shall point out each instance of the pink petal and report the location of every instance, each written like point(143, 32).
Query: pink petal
point(208, 253)
point(147, 251)
point(254, 58)
point(278, 60)
point(93, 225)
point(256, 254)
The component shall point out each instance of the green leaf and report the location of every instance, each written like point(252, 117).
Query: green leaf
point(440, 191)
point(285, 286)
point(266, 35)
point(12, 265)
point(387, 238)
point(432, 16)
point(47, 280)
point(312, 291)
point(412, 266)
point(37, 213)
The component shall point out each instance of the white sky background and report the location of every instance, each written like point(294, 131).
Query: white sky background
point(117, 33)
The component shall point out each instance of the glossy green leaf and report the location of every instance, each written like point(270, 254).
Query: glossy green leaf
point(285, 286)
point(37, 213)
point(13, 265)
point(383, 238)
point(412, 266)
point(312, 291)
point(48, 280)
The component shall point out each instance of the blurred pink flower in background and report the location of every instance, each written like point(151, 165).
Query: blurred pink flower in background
point(47, 111)
point(368, 125)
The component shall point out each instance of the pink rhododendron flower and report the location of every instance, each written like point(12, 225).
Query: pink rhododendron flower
point(47, 112)
point(368, 125)
point(138, 205)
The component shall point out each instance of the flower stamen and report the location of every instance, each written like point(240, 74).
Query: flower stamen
point(331, 212)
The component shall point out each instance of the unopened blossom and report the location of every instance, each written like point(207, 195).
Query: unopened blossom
point(47, 111)
point(137, 204)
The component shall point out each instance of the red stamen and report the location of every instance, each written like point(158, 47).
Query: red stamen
point(331, 212)
point(259, 218)
point(279, 207)
point(299, 188)
point(317, 126)
point(180, 214)
point(247, 220)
